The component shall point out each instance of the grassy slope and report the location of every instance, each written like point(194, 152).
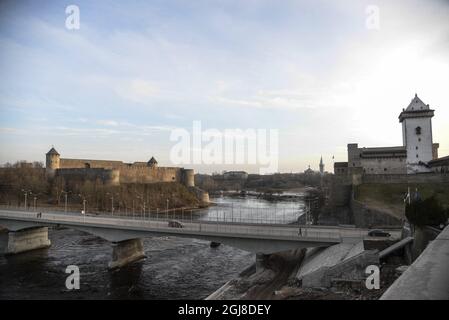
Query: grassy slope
point(389, 197)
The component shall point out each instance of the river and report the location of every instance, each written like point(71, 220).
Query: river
point(175, 268)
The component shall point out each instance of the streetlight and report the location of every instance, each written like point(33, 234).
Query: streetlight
point(133, 208)
point(143, 201)
point(112, 202)
point(65, 194)
point(26, 196)
point(167, 209)
point(84, 204)
point(34, 199)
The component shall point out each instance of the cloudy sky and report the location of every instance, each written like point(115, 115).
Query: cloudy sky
point(319, 72)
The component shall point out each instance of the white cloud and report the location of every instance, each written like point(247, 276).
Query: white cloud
point(137, 90)
point(107, 123)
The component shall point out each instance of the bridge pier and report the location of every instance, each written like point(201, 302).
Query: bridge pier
point(125, 252)
point(27, 240)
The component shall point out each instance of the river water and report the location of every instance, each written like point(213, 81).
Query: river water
point(175, 268)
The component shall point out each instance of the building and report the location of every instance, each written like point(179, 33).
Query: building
point(115, 172)
point(440, 165)
point(417, 154)
point(309, 171)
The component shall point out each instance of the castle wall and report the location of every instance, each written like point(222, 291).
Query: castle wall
point(384, 165)
point(83, 163)
point(406, 178)
point(150, 174)
point(108, 176)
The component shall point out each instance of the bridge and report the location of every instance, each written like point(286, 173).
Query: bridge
point(29, 230)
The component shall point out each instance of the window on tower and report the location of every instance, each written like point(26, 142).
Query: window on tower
point(418, 130)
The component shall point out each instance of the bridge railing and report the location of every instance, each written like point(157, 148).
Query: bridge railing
point(197, 226)
point(220, 213)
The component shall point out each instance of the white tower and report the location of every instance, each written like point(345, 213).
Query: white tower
point(417, 135)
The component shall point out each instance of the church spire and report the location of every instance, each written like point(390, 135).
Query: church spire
point(321, 165)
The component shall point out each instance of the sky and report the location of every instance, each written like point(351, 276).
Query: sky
point(322, 74)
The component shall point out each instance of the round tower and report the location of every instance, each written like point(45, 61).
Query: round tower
point(188, 177)
point(52, 160)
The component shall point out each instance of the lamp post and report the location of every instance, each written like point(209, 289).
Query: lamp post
point(34, 200)
point(84, 203)
point(26, 197)
point(167, 209)
point(65, 197)
point(143, 204)
point(112, 202)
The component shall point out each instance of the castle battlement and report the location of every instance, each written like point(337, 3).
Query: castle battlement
point(116, 172)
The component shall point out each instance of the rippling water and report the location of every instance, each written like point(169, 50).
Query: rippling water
point(175, 268)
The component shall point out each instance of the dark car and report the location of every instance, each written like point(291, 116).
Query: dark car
point(174, 224)
point(378, 233)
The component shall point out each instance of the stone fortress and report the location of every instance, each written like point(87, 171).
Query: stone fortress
point(418, 154)
point(116, 172)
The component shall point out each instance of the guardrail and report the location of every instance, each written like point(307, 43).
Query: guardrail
point(305, 233)
point(220, 213)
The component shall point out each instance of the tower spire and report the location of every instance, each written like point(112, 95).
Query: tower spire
point(321, 165)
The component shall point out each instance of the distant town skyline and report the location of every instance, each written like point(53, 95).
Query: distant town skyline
point(318, 72)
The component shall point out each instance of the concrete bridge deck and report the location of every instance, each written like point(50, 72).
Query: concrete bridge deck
point(258, 238)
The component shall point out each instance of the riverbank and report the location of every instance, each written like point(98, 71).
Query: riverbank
point(277, 280)
point(277, 271)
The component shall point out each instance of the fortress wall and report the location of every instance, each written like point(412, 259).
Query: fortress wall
point(81, 163)
point(378, 165)
point(367, 217)
point(406, 178)
point(86, 174)
point(150, 175)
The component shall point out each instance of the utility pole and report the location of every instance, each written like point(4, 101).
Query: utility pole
point(167, 210)
point(112, 204)
point(26, 197)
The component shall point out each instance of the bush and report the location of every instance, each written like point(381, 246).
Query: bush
point(426, 212)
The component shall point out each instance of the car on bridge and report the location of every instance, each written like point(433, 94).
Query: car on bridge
point(175, 224)
point(378, 233)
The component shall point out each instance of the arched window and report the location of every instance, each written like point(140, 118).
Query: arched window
point(418, 130)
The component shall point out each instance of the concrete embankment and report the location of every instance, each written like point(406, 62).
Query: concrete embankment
point(273, 273)
point(427, 278)
point(335, 272)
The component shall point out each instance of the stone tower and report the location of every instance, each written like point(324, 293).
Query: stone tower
point(152, 163)
point(321, 165)
point(52, 159)
point(416, 122)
